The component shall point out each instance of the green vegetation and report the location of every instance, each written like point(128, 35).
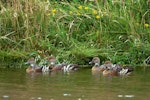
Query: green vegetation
point(75, 31)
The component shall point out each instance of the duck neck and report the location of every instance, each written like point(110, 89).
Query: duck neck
point(33, 65)
point(52, 64)
point(97, 64)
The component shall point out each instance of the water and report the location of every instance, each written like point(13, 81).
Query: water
point(15, 84)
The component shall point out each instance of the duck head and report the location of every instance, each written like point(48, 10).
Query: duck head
point(108, 62)
point(95, 61)
point(32, 62)
point(51, 60)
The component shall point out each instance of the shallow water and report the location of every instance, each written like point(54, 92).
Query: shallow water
point(15, 84)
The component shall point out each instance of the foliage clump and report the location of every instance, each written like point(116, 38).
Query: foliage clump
point(77, 30)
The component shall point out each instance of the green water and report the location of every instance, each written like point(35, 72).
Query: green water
point(15, 84)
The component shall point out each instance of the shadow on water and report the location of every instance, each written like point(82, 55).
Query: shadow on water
point(15, 84)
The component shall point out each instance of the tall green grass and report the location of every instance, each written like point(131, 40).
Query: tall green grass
point(76, 30)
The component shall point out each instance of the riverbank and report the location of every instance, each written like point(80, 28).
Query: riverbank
point(75, 31)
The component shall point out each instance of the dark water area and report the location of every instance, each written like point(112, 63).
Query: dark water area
point(15, 84)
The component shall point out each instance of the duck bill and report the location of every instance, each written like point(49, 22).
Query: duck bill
point(26, 63)
point(91, 62)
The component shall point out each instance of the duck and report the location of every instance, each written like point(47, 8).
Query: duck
point(33, 66)
point(51, 60)
point(70, 67)
point(62, 66)
point(111, 69)
point(118, 70)
point(108, 68)
point(125, 71)
point(97, 67)
point(106, 72)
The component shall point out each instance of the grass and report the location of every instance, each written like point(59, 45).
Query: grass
point(76, 31)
